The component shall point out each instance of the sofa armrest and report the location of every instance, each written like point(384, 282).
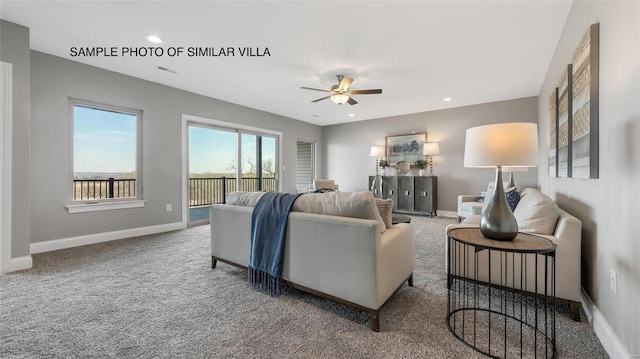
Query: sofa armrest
point(395, 260)
point(568, 237)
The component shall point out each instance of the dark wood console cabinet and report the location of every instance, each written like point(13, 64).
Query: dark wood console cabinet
point(412, 195)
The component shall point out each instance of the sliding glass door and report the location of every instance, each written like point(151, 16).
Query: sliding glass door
point(223, 160)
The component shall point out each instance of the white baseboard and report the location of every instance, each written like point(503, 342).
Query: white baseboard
point(608, 338)
point(19, 263)
point(47, 246)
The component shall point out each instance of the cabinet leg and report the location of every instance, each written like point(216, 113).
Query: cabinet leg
point(410, 280)
point(375, 320)
point(213, 262)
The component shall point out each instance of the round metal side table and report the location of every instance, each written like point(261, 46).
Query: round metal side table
point(501, 298)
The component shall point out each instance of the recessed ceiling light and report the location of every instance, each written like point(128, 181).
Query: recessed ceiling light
point(446, 99)
point(351, 115)
point(155, 39)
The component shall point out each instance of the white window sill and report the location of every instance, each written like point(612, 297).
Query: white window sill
point(104, 206)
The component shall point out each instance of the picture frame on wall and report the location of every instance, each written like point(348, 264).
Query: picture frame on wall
point(405, 148)
point(585, 98)
point(573, 113)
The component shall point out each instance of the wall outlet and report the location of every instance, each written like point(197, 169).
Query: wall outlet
point(614, 282)
point(169, 209)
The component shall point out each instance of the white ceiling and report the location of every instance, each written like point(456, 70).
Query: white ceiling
point(417, 52)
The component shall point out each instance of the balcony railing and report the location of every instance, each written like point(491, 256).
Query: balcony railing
point(87, 189)
point(202, 191)
point(206, 191)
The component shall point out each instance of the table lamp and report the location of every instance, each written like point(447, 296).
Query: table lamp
point(505, 144)
point(376, 186)
point(430, 149)
point(512, 183)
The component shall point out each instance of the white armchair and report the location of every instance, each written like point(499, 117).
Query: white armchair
point(469, 205)
point(325, 183)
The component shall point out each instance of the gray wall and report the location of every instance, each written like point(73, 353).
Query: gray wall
point(54, 80)
point(609, 207)
point(14, 49)
point(348, 145)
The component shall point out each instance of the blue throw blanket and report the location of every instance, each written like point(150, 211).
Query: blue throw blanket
point(268, 232)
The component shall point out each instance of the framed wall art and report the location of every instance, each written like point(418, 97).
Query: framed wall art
point(573, 113)
point(564, 123)
point(553, 134)
point(405, 148)
point(584, 119)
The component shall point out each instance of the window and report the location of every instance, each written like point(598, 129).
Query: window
point(106, 153)
point(304, 164)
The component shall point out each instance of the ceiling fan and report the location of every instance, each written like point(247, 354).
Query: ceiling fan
point(340, 93)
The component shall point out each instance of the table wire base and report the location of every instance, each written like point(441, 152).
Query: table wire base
point(498, 314)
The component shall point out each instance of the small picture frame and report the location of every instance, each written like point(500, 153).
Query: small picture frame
point(405, 148)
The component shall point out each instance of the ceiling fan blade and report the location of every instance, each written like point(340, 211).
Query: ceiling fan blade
point(351, 101)
point(320, 99)
point(365, 92)
point(310, 88)
point(345, 83)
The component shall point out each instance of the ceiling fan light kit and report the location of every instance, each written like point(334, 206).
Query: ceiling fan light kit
point(339, 99)
point(340, 93)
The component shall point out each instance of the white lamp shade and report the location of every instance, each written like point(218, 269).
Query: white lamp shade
point(505, 144)
point(377, 151)
point(431, 148)
point(514, 169)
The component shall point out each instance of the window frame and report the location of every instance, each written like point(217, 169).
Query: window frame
point(102, 204)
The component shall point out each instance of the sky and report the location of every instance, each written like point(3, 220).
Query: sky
point(215, 151)
point(103, 141)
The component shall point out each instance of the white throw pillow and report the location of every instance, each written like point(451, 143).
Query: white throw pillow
point(345, 204)
point(240, 198)
point(385, 207)
point(536, 212)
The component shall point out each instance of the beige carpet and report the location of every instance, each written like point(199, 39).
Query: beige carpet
point(157, 297)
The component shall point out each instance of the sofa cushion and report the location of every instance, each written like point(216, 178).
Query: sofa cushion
point(385, 206)
point(345, 204)
point(241, 198)
point(536, 212)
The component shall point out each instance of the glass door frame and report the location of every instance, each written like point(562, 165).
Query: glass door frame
point(240, 129)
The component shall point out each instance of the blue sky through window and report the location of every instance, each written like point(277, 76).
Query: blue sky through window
point(103, 141)
point(212, 151)
point(215, 151)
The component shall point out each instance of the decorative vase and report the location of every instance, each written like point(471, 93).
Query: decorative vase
point(422, 172)
point(382, 171)
point(497, 220)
